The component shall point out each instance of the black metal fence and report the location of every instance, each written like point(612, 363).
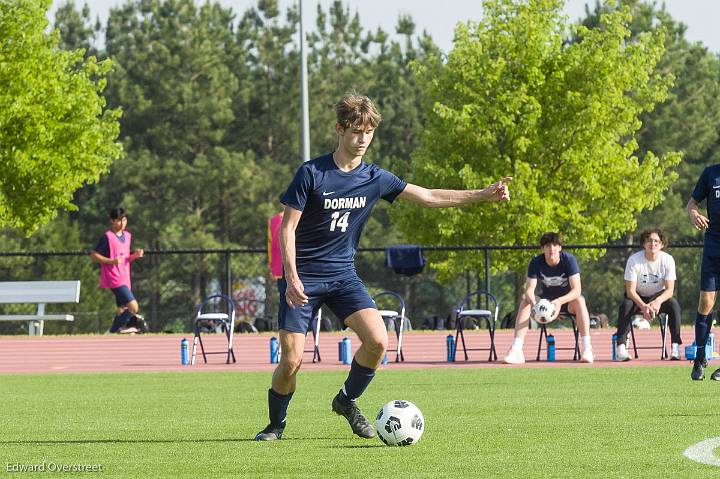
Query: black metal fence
point(169, 284)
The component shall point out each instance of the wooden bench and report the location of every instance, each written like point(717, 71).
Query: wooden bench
point(40, 293)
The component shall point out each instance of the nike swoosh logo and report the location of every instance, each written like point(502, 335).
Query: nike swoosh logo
point(325, 193)
point(717, 186)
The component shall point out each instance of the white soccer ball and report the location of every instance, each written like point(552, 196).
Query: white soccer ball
point(543, 311)
point(399, 423)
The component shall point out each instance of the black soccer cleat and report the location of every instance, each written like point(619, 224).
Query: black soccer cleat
point(360, 426)
point(698, 370)
point(715, 376)
point(270, 433)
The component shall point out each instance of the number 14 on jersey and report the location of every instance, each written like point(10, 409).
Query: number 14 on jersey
point(339, 221)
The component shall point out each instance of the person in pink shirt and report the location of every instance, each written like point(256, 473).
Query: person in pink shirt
point(274, 254)
point(113, 254)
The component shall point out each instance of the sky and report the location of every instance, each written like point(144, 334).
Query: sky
point(439, 17)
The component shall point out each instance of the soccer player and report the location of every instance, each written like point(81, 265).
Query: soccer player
point(649, 288)
point(113, 254)
point(326, 207)
point(707, 187)
point(559, 274)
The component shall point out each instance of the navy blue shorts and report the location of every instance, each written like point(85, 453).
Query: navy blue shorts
point(710, 273)
point(343, 297)
point(123, 295)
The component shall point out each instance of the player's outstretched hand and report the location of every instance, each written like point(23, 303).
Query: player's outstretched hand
point(498, 191)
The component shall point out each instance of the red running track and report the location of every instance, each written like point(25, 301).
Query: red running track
point(48, 354)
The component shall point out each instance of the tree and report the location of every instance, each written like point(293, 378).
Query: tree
point(186, 180)
point(515, 98)
point(56, 133)
point(689, 118)
point(74, 28)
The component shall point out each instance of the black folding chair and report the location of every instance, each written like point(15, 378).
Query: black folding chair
point(398, 320)
point(663, 320)
point(225, 322)
point(576, 333)
point(476, 316)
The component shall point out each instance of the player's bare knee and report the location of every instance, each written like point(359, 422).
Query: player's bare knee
point(377, 346)
point(705, 309)
point(707, 301)
point(289, 366)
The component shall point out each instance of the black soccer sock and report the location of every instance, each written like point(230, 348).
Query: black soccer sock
point(115, 324)
point(702, 331)
point(356, 382)
point(277, 407)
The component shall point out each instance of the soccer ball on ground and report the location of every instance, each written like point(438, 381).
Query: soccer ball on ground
point(543, 311)
point(399, 423)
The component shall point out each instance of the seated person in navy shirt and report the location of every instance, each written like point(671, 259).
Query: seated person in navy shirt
point(559, 275)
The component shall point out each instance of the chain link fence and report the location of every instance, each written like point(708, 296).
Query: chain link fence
point(169, 285)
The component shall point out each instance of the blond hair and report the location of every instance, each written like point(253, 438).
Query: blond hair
point(355, 110)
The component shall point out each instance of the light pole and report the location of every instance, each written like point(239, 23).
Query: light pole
point(304, 108)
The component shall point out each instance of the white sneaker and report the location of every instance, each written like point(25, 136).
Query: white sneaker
point(514, 356)
point(621, 354)
point(675, 351)
point(587, 356)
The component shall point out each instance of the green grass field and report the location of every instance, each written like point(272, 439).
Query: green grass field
point(502, 422)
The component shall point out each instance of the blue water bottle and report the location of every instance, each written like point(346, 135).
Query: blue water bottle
point(184, 354)
point(710, 347)
point(614, 347)
point(274, 350)
point(450, 347)
point(345, 350)
point(551, 347)
point(385, 359)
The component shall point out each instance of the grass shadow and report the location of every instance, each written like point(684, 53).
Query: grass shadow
point(120, 441)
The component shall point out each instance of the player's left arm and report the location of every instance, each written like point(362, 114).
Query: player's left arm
point(437, 198)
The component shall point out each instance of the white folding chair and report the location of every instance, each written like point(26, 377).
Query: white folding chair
point(225, 322)
point(464, 312)
point(398, 320)
point(315, 324)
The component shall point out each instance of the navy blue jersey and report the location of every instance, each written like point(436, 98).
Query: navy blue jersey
point(103, 247)
point(555, 280)
point(708, 187)
point(335, 206)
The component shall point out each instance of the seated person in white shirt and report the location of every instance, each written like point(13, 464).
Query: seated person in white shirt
point(649, 288)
